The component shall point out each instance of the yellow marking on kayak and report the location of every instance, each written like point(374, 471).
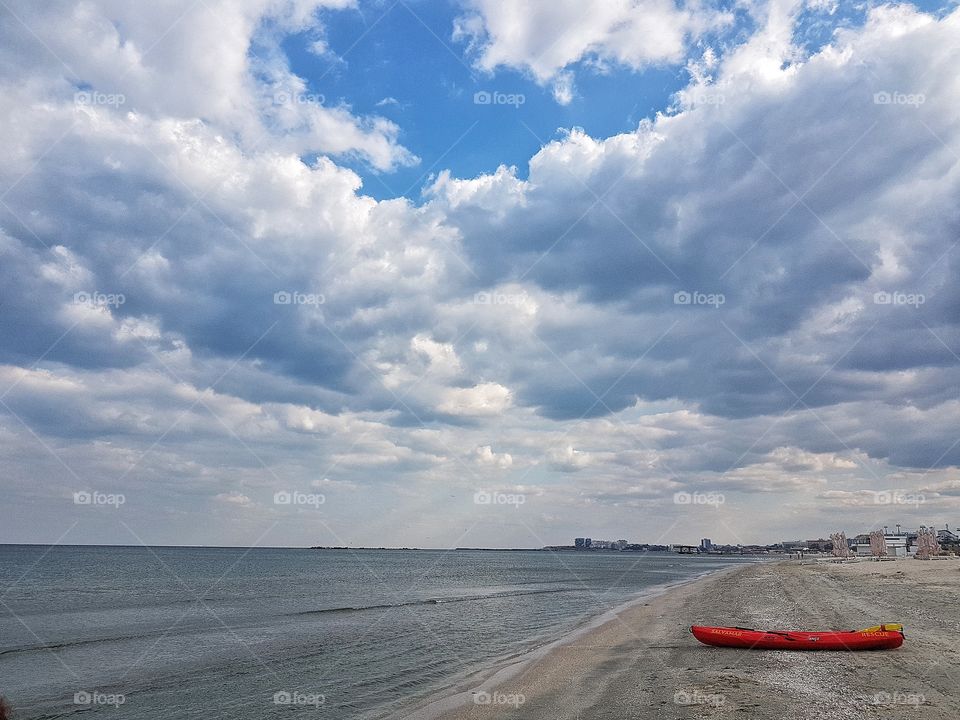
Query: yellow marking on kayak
point(887, 627)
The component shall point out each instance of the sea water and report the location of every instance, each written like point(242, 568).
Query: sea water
point(241, 633)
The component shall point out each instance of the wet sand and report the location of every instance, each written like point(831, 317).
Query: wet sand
point(644, 663)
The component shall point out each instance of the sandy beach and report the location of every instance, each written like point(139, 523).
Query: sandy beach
point(644, 663)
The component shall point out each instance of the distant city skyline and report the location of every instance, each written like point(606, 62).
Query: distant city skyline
point(586, 542)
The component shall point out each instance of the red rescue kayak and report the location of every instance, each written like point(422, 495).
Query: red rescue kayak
point(879, 637)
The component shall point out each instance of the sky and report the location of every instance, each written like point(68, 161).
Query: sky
point(473, 273)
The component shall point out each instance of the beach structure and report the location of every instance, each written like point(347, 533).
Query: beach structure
point(897, 545)
point(927, 545)
point(894, 544)
point(878, 544)
point(841, 548)
point(904, 543)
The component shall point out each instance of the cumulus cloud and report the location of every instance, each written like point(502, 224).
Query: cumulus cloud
point(769, 267)
point(234, 499)
point(488, 398)
point(569, 459)
point(486, 456)
point(751, 293)
point(543, 37)
point(125, 58)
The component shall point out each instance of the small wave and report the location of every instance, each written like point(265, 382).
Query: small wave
point(66, 644)
point(63, 644)
point(432, 601)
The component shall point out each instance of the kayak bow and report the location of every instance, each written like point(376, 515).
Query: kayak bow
point(878, 637)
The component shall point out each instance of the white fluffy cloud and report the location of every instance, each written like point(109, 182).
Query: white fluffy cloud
point(544, 37)
point(483, 399)
point(486, 456)
point(749, 294)
point(149, 60)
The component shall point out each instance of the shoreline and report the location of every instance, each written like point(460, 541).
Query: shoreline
point(642, 662)
point(488, 679)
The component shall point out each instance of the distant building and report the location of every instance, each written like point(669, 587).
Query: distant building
point(609, 544)
point(578, 542)
point(862, 544)
point(898, 544)
point(946, 536)
point(587, 542)
point(706, 544)
point(820, 545)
